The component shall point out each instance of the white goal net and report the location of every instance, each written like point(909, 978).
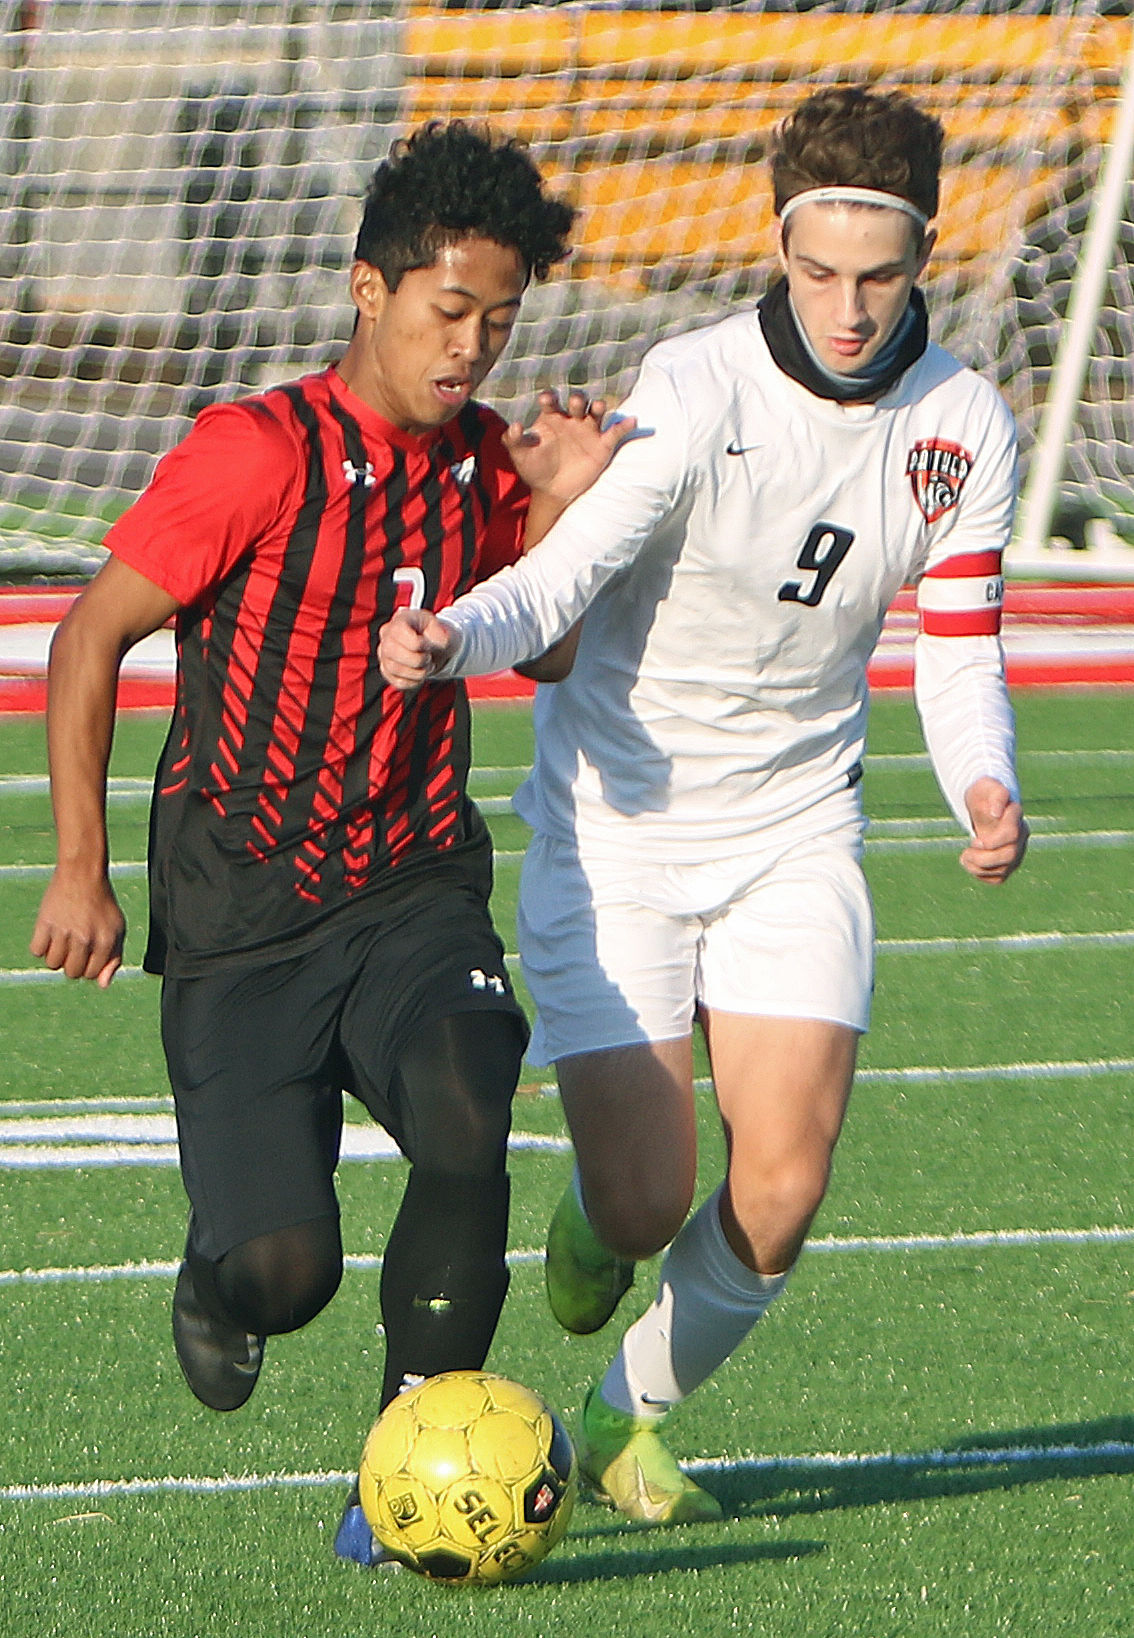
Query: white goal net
point(180, 186)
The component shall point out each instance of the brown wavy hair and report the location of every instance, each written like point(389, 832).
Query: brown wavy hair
point(850, 136)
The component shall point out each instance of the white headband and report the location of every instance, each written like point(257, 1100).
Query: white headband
point(853, 196)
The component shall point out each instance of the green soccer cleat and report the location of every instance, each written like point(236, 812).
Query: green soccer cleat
point(625, 1463)
point(585, 1281)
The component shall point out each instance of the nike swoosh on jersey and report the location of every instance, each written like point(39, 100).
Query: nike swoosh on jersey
point(737, 448)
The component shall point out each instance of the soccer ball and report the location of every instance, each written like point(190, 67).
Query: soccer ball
point(468, 1478)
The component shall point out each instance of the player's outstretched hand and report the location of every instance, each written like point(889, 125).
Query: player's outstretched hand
point(1000, 832)
point(564, 450)
point(412, 645)
point(80, 929)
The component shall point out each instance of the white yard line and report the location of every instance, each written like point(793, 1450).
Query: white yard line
point(939, 1460)
point(1045, 1069)
point(38, 1111)
point(1041, 840)
point(40, 975)
point(488, 774)
point(884, 836)
point(120, 870)
point(151, 1140)
point(111, 1273)
point(1073, 1069)
point(1118, 939)
point(828, 1245)
point(815, 1465)
point(919, 759)
point(40, 785)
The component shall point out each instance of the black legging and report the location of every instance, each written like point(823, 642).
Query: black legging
point(444, 1277)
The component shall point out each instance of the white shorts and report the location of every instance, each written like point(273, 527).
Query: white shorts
point(618, 953)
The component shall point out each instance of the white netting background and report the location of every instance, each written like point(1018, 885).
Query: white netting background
point(179, 189)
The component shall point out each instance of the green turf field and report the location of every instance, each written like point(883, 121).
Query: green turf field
point(932, 1434)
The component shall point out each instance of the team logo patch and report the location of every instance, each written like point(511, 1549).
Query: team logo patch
point(463, 471)
point(937, 470)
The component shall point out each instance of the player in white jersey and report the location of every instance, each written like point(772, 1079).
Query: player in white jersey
point(695, 796)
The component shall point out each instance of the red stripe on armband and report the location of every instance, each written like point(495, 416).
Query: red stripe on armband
point(960, 622)
point(969, 566)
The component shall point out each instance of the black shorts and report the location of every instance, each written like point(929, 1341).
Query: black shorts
point(259, 1057)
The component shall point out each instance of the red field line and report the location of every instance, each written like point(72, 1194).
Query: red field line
point(1094, 605)
point(1062, 673)
point(1031, 605)
point(33, 608)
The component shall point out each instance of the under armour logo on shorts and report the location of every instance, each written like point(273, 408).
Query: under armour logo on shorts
point(486, 981)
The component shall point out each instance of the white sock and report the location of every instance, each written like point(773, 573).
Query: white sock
point(707, 1303)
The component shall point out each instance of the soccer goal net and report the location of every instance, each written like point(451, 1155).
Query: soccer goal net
point(180, 190)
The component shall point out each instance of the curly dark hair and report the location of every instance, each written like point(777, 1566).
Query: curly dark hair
point(850, 136)
point(449, 181)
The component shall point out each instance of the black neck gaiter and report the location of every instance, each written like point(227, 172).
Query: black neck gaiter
point(791, 354)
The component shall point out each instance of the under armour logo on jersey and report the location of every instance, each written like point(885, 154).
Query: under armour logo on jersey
point(487, 981)
point(462, 471)
point(937, 469)
point(363, 475)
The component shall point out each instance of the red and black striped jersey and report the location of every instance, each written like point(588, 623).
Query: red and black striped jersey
point(288, 526)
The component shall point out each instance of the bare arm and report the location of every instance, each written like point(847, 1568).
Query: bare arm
point(559, 456)
point(521, 610)
point(80, 927)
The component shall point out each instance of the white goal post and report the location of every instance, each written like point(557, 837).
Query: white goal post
point(180, 185)
point(1110, 214)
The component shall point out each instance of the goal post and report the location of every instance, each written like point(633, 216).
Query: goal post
point(180, 184)
point(1110, 213)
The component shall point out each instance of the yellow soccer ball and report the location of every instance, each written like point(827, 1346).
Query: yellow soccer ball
point(468, 1478)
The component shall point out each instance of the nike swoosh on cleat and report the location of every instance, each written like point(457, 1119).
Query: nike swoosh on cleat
point(251, 1365)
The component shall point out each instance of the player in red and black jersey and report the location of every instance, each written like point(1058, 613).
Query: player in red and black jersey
point(319, 879)
point(291, 783)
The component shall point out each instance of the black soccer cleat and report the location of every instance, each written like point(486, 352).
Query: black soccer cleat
point(219, 1362)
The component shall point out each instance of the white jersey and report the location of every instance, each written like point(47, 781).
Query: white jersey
point(741, 551)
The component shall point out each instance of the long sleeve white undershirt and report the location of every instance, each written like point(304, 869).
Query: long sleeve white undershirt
point(966, 715)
